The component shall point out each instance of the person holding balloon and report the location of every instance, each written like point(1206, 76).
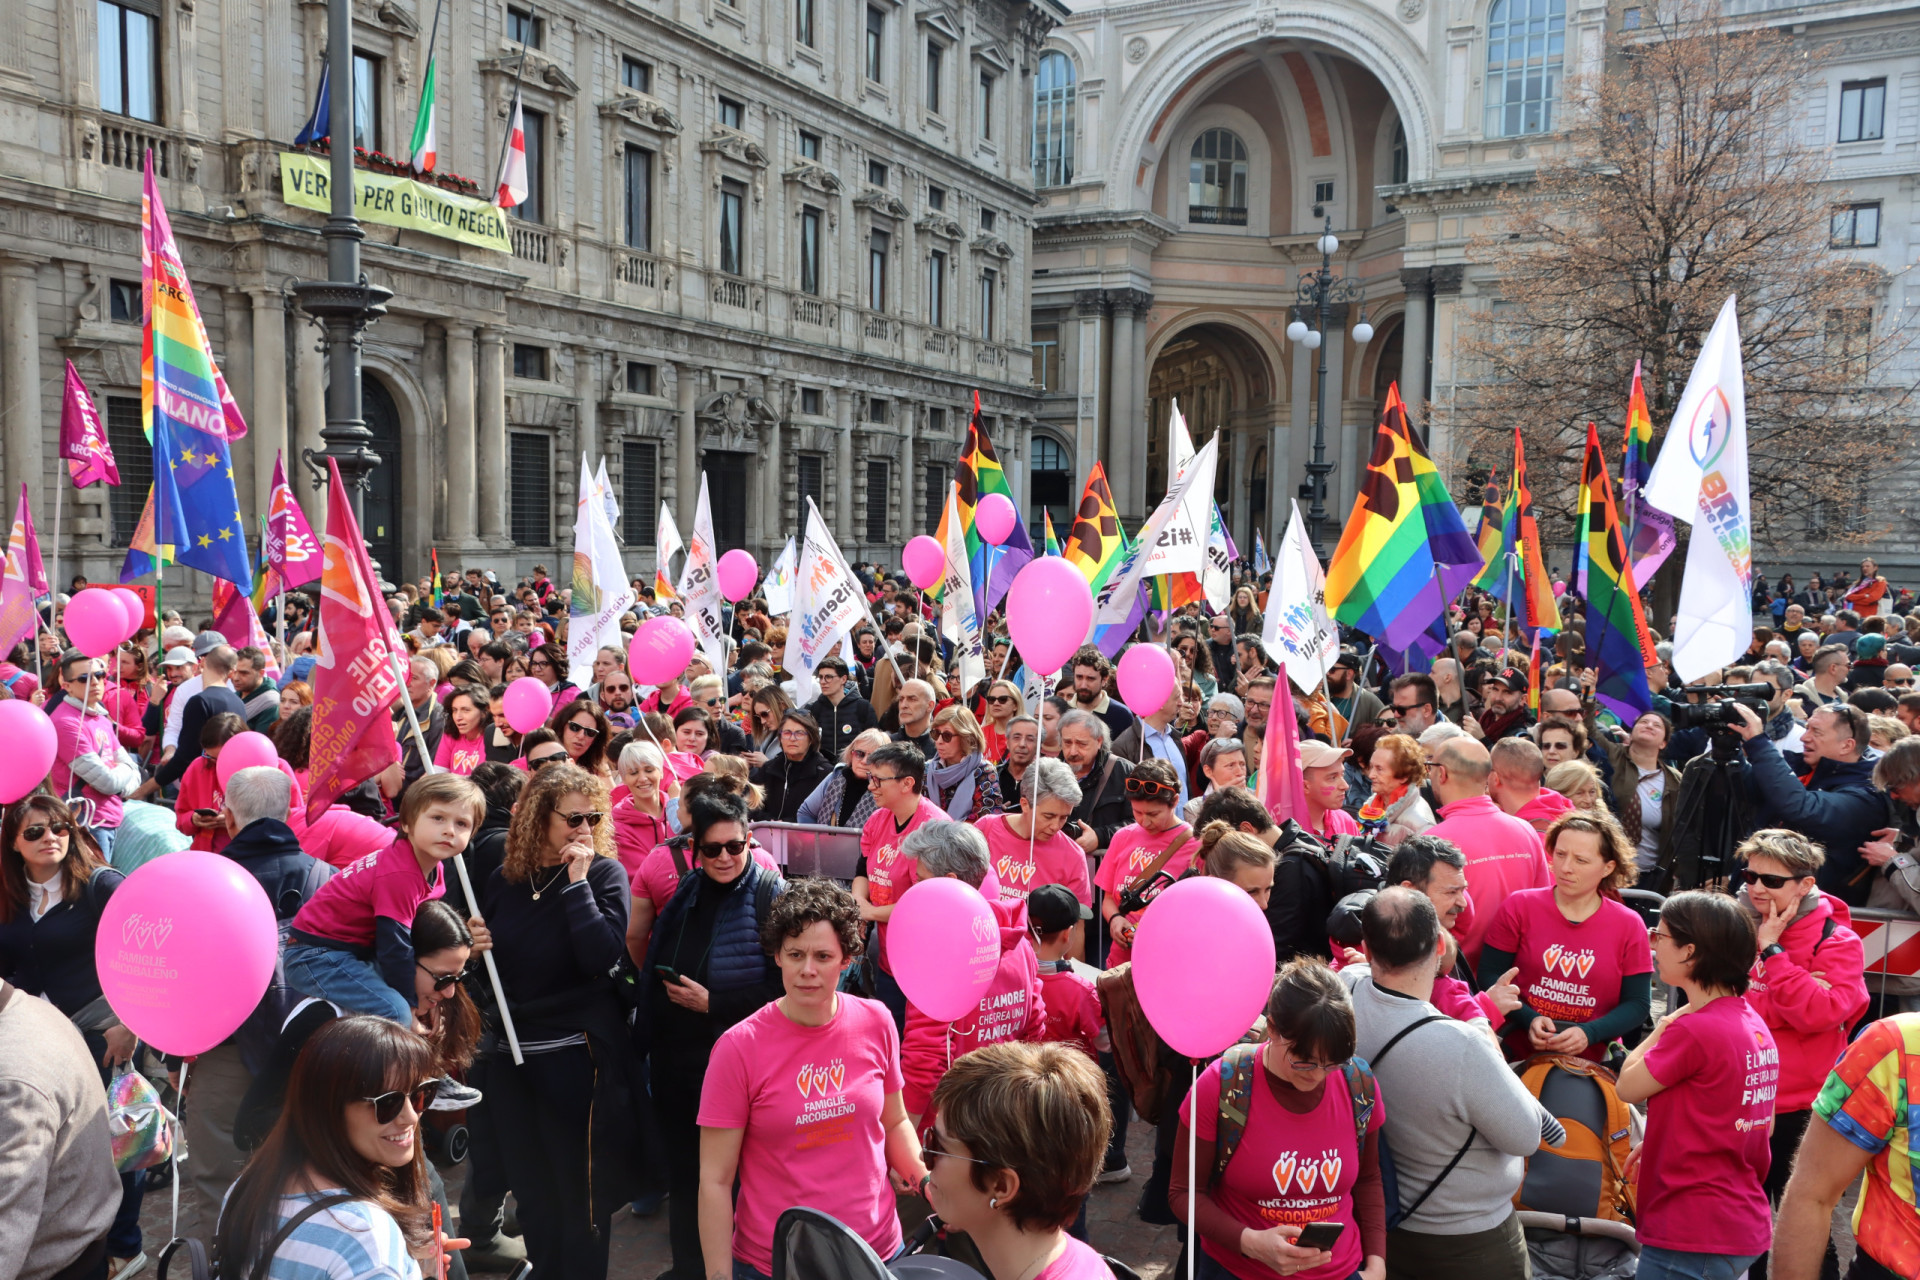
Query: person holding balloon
point(1156, 843)
point(88, 758)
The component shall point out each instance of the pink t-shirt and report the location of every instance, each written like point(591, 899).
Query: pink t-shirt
point(1503, 854)
point(387, 883)
point(658, 877)
point(460, 755)
point(1706, 1154)
point(1074, 1015)
point(1021, 870)
point(889, 872)
point(1128, 856)
point(1335, 822)
point(1077, 1261)
point(810, 1100)
point(1570, 972)
point(1288, 1168)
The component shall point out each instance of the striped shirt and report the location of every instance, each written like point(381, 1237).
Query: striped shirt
point(353, 1241)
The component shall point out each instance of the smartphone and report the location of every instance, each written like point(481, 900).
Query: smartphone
point(667, 972)
point(206, 813)
point(1319, 1235)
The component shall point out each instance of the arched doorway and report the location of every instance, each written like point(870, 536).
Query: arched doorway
point(1051, 489)
point(380, 521)
point(1217, 375)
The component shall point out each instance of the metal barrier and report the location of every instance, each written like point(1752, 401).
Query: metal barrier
point(1892, 941)
point(807, 850)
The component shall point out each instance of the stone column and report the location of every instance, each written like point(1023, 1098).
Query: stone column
point(1089, 309)
point(842, 521)
point(253, 458)
point(1279, 475)
point(310, 415)
point(909, 523)
point(268, 422)
point(462, 437)
point(586, 385)
point(22, 408)
point(765, 519)
point(1447, 304)
point(493, 436)
point(1418, 282)
point(1117, 442)
point(686, 453)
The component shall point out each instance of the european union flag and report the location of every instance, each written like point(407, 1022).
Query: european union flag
point(195, 506)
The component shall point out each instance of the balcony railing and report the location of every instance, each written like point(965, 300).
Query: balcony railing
point(530, 243)
point(1222, 215)
point(125, 147)
point(730, 293)
point(879, 327)
point(637, 268)
point(810, 311)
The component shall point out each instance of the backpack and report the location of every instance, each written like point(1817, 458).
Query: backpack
point(255, 1037)
point(1238, 1067)
point(1581, 1177)
point(1354, 864)
point(1137, 1047)
point(199, 1267)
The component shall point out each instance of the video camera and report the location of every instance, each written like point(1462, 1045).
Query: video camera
point(1716, 711)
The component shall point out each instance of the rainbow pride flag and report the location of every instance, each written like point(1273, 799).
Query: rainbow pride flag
point(980, 473)
point(1517, 561)
point(1052, 543)
point(1649, 531)
point(1095, 541)
point(1618, 645)
point(1404, 552)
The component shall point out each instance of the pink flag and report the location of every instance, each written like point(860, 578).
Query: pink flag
point(83, 439)
point(292, 550)
point(1281, 785)
point(25, 578)
point(354, 684)
point(235, 618)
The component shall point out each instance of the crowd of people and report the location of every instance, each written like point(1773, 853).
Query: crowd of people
point(1666, 903)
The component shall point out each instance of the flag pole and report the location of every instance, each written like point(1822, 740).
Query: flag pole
point(519, 70)
point(433, 41)
point(53, 579)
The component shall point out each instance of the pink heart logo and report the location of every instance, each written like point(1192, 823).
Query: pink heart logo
point(1283, 1171)
point(838, 1074)
point(806, 1080)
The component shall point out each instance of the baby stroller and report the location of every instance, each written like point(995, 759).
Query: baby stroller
point(811, 1245)
point(1575, 1206)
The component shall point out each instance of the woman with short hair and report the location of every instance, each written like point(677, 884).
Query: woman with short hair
point(843, 798)
point(1561, 738)
point(960, 779)
point(640, 805)
point(1396, 768)
point(1579, 782)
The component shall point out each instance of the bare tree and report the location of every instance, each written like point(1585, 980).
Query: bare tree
point(1686, 179)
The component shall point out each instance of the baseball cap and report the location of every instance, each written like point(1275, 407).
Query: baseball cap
point(1052, 907)
point(1315, 754)
point(176, 635)
point(206, 642)
point(178, 656)
point(1513, 678)
point(1351, 661)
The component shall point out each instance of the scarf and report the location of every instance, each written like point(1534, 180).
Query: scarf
point(959, 777)
point(1373, 813)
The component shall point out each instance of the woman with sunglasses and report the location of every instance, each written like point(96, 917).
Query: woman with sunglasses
point(790, 777)
point(843, 798)
point(770, 706)
point(960, 780)
point(1001, 703)
point(1707, 1074)
point(1806, 982)
point(830, 1143)
point(668, 862)
point(557, 909)
point(540, 749)
point(1304, 1155)
point(1199, 665)
point(1134, 855)
point(706, 969)
point(584, 732)
point(53, 887)
point(547, 663)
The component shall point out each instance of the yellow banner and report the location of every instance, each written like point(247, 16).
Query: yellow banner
point(397, 202)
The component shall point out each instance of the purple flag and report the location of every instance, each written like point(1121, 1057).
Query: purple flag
point(83, 438)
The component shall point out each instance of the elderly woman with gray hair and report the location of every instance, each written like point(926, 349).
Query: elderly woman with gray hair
point(1028, 848)
point(843, 798)
point(1010, 1008)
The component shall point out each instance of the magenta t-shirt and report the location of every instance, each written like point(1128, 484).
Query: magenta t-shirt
point(1130, 854)
point(889, 872)
point(1021, 870)
point(1077, 1261)
point(460, 755)
point(810, 1100)
point(1570, 972)
point(1287, 1169)
point(1706, 1153)
point(386, 883)
point(658, 877)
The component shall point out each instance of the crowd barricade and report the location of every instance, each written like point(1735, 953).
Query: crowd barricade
point(803, 849)
point(1891, 940)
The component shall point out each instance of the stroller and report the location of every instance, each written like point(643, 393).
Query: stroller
point(1574, 1207)
point(811, 1245)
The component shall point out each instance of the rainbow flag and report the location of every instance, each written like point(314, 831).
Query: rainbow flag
point(433, 553)
point(1533, 674)
point(144, 555)
point(1487, 536)
point(1404, 552)
point(1052, 543)
point(1618, 645)
point(1649, 531)
point(1095, 542)
point(267, 580)
point(980, 473)
point(1518, 559)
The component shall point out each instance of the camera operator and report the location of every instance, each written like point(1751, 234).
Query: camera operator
point(1896, 861)
point(1833, 803)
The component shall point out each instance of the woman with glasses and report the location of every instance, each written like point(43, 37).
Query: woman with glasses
point(961, 781)
point(1199, 665)
point(790, 777)
point(843, 798)
point(1001, 702)
point(895, 774)
point(557, 909)
point(53, 886)
point(540, 749)
point(770, 707)
point(348, 1140)
point(667, 863)
point(1155, 843)
point(706, 969)
point(547, 663)
point(1395, 809)
point(1585, 968)
point(1707, 1075)
point(1309, 1151)
point(831, 1142)
point(710, 694)
point(584, 732)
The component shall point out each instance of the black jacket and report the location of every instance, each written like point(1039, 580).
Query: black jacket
point(842, 724)
point(787, 783)
point(1104, 807)
point(1838, 808)
point(1301, 901)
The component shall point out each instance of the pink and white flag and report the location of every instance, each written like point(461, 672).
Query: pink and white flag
point(292, 551)
point(1282, 786)
point(24, 579)
point(83, 437)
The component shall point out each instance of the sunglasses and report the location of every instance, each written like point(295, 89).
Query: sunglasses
point(998, 699)
point(441, 981)
point(931, 1149)
point(945, 735)
point(40, 829)
point(575, 819)
point(1772, 882)
point(386, 1107)
point(1148, 789)
point(731, 848)
point(584, 730)
point(544, 761)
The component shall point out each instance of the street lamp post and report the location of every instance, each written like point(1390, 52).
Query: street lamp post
point(1318, 292)
point(344, 303)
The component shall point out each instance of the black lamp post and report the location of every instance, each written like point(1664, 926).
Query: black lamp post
point(1318, 292)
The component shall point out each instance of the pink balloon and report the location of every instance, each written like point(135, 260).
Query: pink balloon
point(737, 573)
point(527, 704)
point(994, 518)
point(925, 561)
point(30, 743)
point(1146, 677)
point(1202, 964)
point(1559, 589)
point(661, 648)
point(96, 622)
point(1049, 612)
point(136, 608)
point(185, 949)
point(944, 945)
point(244, 751)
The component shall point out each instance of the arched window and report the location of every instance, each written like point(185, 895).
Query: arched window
point(1399, 171)
point(1052, 488)
point(1525, 41)
point(1217, 180)
point(1053, 121)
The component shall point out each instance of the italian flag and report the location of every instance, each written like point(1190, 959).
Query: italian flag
point(425, 152)
point(511, 187)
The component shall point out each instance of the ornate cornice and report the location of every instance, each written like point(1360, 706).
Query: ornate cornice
point(991, 246)
point(643, 111)
point(815, 177)
point(881, 203)
point(935, 223)
point(733, 146)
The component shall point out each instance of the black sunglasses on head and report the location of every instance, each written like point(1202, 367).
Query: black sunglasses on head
point(386, 1107)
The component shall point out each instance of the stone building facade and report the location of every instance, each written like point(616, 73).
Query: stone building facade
point(1183, 148)
point(782, 244)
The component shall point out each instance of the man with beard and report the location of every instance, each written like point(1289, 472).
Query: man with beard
point(1353, 704)
point(1416, 703)
point(1503, 705)
point(616, 699)
point(1091, 671)
point(1250, 656)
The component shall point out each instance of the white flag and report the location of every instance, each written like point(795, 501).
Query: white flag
point(1170, 543)
point(1297, 631)
point(778, 587)
point(601, 591)
point(699, 588)
point(958, 622)
point(1701, 477)
point(666, 545)
point(1199, 512)
point(827, 604)
point(604, 488)
point(1217, 579)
